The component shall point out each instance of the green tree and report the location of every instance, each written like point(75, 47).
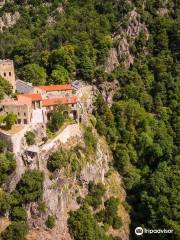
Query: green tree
point(15, 231)
point(6, 87)
point(4, 202)
point(7, 166)
point(57, 120)
point(19, 214)
point(30, 138)
point(57, 160)
point(60, 75)
point(10, 120)
point(83, 226)
point(30, 187)
point(34, 74)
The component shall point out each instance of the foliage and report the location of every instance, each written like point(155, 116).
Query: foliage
point(83, 226)
point(60, 75)
point(30, 187)
point(57, 160)
point(96, 192)
point(19, 214)
point(7, 166)
point(50, 222)
point(34, 73)
point(109, 215)
point(90, 140)
point(57, 120)
point(5, 87)
point(3, 146)
point(10, 120)
point(15, 231)
point(30, 138)
point(4, 202)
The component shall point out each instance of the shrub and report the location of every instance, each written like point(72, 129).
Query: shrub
point(50, 222)
point(7, 166)
point(117, 222)
point(4, 202)
point(30, 138)
point(56, 161)
point(96, 192)
point(30, 187)
point(42, 207)
point(19, 214)
point(90, 140)
point(56, 121)
point(3, 146)
point(15, 231)
point(10, 120)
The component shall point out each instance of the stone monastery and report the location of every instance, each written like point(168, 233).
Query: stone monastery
point(34, 104)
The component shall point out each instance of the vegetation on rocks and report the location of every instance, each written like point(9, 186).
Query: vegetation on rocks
point(30, 138)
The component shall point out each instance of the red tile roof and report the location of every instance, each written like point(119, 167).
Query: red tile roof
point(57, 101)
point(20, 101)
point(52, 88)
point(33, 96)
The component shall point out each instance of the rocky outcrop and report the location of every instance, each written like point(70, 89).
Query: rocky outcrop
point(8, 20)
point(123, 39)
point(61, 192)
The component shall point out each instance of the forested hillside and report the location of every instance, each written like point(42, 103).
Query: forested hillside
point(58, 41)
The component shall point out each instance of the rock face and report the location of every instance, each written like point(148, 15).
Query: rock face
point(62, 189)
point(8, 20)
point(123, 39)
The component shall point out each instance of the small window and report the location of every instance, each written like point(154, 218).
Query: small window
point(25, 121)
point(19, 121)
point(24, 114)
point(10, 74)
point(18, 113)
point(4, 74)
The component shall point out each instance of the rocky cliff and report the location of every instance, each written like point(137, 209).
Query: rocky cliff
point(63, 187)
point(8, 20)
point(123, 39)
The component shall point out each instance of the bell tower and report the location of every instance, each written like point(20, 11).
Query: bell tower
point(7, 72)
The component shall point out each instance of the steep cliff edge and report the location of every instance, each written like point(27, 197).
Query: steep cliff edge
point(123, 39)
point(62, 189)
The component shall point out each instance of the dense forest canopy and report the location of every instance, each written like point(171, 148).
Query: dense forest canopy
point(143, 125)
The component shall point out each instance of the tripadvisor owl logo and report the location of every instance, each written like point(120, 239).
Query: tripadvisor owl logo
point(139, 231)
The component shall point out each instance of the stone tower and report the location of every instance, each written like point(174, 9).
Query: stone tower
point(7, 72)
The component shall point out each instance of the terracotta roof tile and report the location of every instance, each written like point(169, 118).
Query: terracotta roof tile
point(33, 96)
point(57, 101)
point(52, 88)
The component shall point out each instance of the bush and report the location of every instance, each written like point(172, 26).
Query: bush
point(90, 140)
point(30, 187)
point(56, 121)
point(15, 231)
point(7, 166)
point(10, 120)
point(3, 146)
point(30, 138)
point(4, 202)
point(57, 160)
point(82, 225)
point(42, 207)
point(96, 192)
point(19, 214)
point(50, 222)
point(117, 222)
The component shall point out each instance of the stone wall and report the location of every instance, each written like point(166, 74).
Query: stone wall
point(14, 141)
